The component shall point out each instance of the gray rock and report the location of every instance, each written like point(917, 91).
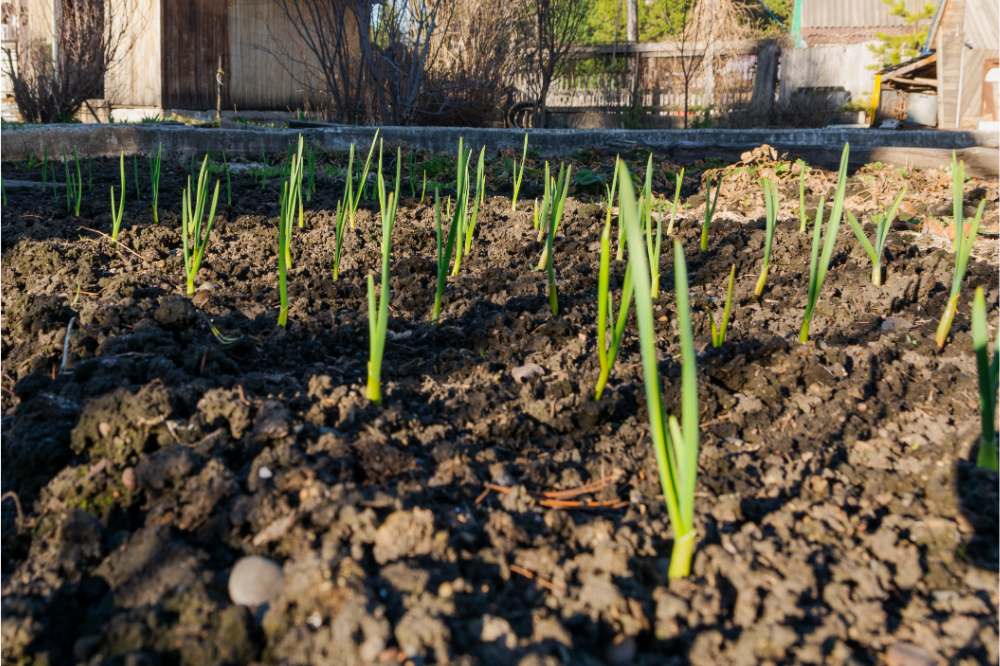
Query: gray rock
point(254, 581)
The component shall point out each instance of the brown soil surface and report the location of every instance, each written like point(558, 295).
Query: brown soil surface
point(840, 516)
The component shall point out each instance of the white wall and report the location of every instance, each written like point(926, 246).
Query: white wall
point(846, 66)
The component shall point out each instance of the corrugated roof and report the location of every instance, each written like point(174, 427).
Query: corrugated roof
point(853, 13)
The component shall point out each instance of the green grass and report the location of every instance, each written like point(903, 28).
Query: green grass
point(74, 184)
point(675, 208)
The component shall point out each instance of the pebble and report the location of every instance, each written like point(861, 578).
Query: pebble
point(254, 581)
point(527, 372)
point(128, 479)
point(265, 472)
point(908, 654)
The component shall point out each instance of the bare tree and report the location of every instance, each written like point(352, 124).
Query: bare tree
point(472, 78)
point(371, 55)
point(54, 76)
point(707, 24)
point(558, 27)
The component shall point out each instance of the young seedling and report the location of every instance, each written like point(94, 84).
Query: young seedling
point(820, 263)
point(154, 182)
point(719, 332)
point(676, 207)
point(195, 227)
point(229, 181)
point(607, 354)
point(378, 308)
point(552, 214)
point(290, 192)
point(552, 221)
point(654, 240)
point(477, 200)
point(771, 222)
point(338, 230)
point(675, 444)
point(354, 193)
point(710, 202)
point(989, 381)
point(118, 212)
point(135, 177)
point(519, 174)
point(962, 246)
point(803, 218)
point(875, 250)
point(461, 200)
point(445, 248)
point(423, 189)
point(74, 185)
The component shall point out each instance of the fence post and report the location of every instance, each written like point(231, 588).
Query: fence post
point(765, 79)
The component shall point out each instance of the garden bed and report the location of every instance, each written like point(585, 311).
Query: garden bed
point(490, 511)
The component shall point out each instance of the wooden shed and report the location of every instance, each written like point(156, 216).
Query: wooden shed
point(966, 39)
point(177, 46)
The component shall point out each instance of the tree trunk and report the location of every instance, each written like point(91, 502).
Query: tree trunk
point(632, 21)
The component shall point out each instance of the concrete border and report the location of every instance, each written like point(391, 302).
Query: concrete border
point(916, 148)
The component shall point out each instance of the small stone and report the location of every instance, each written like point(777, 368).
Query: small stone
point(622, 650)
point(255, 580)
point(527, 372)
point(104, 428)
point(265, 472)
point(498, 629)
point(908, 654)
point(445, 590)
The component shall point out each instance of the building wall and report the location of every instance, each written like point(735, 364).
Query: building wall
point(852, 13)
point(195, 37)
point(270, 67)
point(135, 79)
point(839, 66)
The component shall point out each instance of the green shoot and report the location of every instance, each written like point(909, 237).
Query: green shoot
point(546, 202)
point(710, 202)
point(676, 207)
point(290, 192)
point(378, 309)
point(719, 332)
point(803, 218)
point(552, 221)
point(229, 181)
point(195, 227)
point(607, 354)
point(771, 221)
point(654, 240)
point(135, 177)
point(883, 223)
point(477, 200)
point(423, 189)
point(461, 198)
point(118, 212)
point(820, 263)
point(338, 232)
point(354, 192)
point(520, 174)
point(675, 444)
point(310, 173)
point(154, 182)
point(989, 381)
point(962, 245)
point(74, 185)
point(534, 215)
point(445, 249)
point(552, 216)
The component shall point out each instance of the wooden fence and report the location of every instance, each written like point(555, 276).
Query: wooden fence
point(651, 76)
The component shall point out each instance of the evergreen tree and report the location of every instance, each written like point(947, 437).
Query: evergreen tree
point(894, 49)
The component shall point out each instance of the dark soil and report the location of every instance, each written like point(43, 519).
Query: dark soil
point(840, 516)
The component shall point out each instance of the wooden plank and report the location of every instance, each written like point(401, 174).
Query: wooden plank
point(195, 37)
